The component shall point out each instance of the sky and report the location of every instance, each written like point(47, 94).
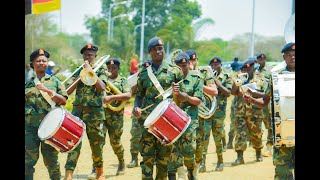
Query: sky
point(231, 17)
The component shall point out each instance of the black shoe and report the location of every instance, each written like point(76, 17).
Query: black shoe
point(229, 146)
point(238, 162)
point(258, 156)
point(121, 168)
point(219, 167)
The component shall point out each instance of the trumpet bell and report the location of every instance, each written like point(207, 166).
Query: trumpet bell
point(88, 77)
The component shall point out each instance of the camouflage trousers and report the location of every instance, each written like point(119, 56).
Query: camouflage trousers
point(199, 140)
point(248, 127)
point(114, 126)
point(183, 151)
point(153, 152)
point(267, 124)
point(32, 145)
point(216, 125)
point(284, 162)
point(232, 124)
point(96, 136)
point(136, 133)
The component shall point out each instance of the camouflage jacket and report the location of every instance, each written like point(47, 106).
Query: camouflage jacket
point(122, 85)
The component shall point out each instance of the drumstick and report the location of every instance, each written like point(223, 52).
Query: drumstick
point(168, 89)
point(146, 107)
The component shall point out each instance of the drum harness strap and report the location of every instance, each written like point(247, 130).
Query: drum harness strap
point(45, 94)
point(157, 84)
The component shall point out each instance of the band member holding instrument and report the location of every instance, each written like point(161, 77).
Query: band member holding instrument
point(136, 128)
point(216, 122)
point(249, 115)
point(152, 150)
point(184, 149)
point(43, 92)
point(114, 119)
point(88, 107)
point(210, 88)
point(264, 71)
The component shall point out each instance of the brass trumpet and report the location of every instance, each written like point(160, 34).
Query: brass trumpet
point(240, 78)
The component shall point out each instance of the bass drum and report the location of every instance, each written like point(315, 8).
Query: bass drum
point(283, 107)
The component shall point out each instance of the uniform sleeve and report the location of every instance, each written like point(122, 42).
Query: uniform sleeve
point(125, 86)
point(199, 88)
point(140, 91)
point(228, 82)
point(102, 74)
point(61, 89)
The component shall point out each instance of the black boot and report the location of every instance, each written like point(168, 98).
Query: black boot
point(121, 168)
point(134, 161)
point(230, 142)
point(202, 167)
point(220, 163)
point(28, 177)
point(191, 175)
point(239, 159)
point(258, 155)
point(171, 176)
point(224, 146)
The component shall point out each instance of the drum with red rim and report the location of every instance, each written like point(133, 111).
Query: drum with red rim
point(167, 122)
point(61, 129)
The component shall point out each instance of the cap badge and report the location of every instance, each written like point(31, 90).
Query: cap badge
point(111, 62)
point(183, 60)
point(193, 56)
point(89, 46)
point(160, 42)
point(262, 56)
point(215, 60)
point(41, 51)
point(293, 47)
point(247, 65)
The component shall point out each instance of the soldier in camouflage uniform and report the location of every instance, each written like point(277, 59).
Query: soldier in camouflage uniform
point(185, 147)
point(136, 129)
point(264, 71)
point(249, 116)
point(284, 157)
point(114, 119)
point(210, 88)
point(152, 150)
point(216, 122)
point(36, 108)
point(88, 107)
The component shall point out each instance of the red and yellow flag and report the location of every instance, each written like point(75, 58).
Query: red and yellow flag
point(43, 6)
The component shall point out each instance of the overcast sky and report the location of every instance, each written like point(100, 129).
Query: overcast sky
point(232, 17)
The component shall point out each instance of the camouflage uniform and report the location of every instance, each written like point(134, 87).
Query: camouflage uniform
point(216, 122)
point(283, 157)
point(114, 120)
point(151, 148)
point(232, 117)
point(248, 120)
point(185, 147)
point(136, 133)
point(36, 107)
point(88, 107)
point(265, 73)
point(208, 79)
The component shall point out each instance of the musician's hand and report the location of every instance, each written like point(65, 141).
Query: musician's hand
point(246, 99)
point(175, 88)
point(217, 82)
point(43, 88)
point(137, 112)
point(240, 94)
point(87, 65)
point(106, 99)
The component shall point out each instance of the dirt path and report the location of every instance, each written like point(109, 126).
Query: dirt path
point(249, 171)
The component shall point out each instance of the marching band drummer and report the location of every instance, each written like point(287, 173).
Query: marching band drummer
point(185, 147)
point(210, 88)
point(114, 119)
point(164, 74)
point(43, 92)
point(88, 107)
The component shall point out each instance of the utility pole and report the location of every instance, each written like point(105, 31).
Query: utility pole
point(110, 16)
point(142, 31)
point(252, 31)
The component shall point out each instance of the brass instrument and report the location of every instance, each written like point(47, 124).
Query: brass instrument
point(170, 58)
point(112, 89)
point(88, 77)
point(240, 78)
point(208, 103)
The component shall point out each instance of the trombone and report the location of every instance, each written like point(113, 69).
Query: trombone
point(88, 77)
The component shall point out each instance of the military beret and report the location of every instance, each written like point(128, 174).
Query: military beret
point(39, 52)
point(147, 63)
point(248, 63)
point(215, 59)
point(261, 55)
point(192, 54)
point(89, 47)
point(153, 42)
point(289, 47)
point(113, 61)
point(182, 58)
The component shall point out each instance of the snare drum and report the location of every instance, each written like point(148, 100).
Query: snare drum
point(167, 122)
point(61, 129)
point(284, 109)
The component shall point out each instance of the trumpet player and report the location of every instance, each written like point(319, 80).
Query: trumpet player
point(216, 122)
point(249, 114)
point(88, 106)
point(43, 92)
point(210, 88)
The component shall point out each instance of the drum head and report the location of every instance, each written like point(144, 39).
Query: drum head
point(157, 112)
point(51, 123)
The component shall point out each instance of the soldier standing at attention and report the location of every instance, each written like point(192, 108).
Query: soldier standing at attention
point(42, 90)
point(166, 75)
point(216, 122)
point(185, 147)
